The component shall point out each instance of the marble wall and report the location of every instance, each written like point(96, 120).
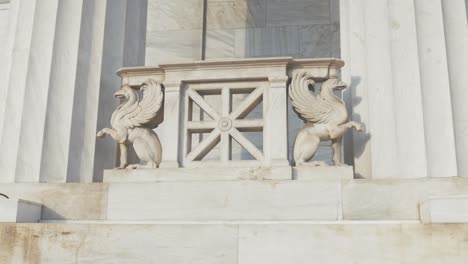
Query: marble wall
point(174, 31)
point(243, 29)
point(240, 29)
point(264, 28)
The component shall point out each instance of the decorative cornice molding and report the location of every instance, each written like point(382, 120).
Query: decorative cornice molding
point(323, 67)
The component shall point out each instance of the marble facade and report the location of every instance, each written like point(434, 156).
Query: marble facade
point(226, 190)
point(61, 129)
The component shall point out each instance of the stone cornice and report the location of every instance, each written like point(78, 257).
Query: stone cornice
point(289, 63)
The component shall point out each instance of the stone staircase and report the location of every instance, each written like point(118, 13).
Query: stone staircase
point(240, 221)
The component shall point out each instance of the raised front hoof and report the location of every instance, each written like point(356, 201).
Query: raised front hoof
point(100, 134)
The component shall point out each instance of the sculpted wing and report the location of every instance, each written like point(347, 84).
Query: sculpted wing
point(144, 114)
point(308, 106)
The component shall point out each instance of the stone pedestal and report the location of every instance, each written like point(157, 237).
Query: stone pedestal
point(19, 211)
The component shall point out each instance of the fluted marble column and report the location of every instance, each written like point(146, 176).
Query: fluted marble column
point(20, 34)
point(42, 55)
point(5, 12)
point(399, 74)
point(86, 94)
point(435, 87)
point(125, 27)
point(456, 39)
point(58, 73)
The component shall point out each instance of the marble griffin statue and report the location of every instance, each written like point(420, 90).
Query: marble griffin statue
point(324, 115)
point(133, 122)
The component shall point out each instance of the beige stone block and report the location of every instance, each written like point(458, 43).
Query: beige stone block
point(394, 199)
point(89, 244)
point(365, 243)
point(297, 12)
point(174, 15)
point(225, 200)
point(236, 14)
point(445, 209)
point(173, 46)
point(63, 201)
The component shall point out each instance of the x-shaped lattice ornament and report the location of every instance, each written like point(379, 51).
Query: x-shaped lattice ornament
point(225, 124)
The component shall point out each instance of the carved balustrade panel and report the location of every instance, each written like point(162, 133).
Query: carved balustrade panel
point(216, 115)
point(228, 113)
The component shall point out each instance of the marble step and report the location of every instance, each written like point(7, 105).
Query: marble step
point(247, 200)
point(235, 243)
point(227, 222)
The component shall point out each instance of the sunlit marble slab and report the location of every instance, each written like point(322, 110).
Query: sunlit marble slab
point(19, 211)
point(445, 209)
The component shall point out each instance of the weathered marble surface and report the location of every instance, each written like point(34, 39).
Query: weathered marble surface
point(394, 199)
point(236, 14)
point(297, 12)
point(444, 209)
point(249, 200)
point(257, 243)
point(52, 243)
point(173, 46)
point(315, 41)
point(319, 41)
point(19, 211)
point(353, 243)
point(63, 201)
point(174, 15)
point(225, 200)
point(173, 31)
point(267, 42)
point(220, 44)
